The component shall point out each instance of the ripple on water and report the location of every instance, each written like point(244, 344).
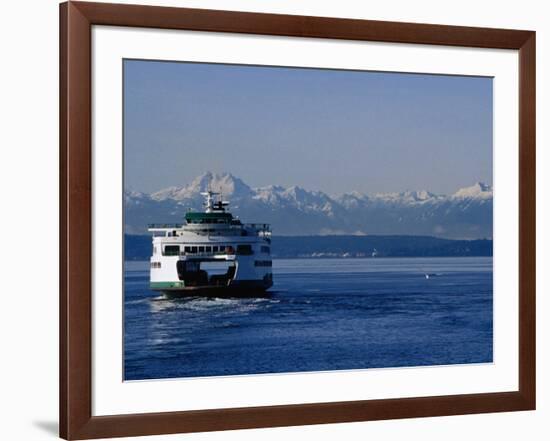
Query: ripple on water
point(321, 315)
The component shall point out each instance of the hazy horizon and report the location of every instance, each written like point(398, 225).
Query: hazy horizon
point(326, 130)
point(223, 172)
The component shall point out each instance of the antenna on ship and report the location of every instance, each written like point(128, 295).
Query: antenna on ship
point(209, 204)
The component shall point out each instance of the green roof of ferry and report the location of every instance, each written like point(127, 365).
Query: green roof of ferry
point(201, 217)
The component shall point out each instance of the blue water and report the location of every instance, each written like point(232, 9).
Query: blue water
point(322, 314)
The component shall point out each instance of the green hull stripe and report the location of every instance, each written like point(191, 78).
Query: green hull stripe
point(166, 285)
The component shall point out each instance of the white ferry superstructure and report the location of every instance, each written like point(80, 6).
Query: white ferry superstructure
point(211, 254)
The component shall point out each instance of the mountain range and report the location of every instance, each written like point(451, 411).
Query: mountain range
point(292, 211)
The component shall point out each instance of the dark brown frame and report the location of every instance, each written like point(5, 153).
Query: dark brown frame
point(76, 420)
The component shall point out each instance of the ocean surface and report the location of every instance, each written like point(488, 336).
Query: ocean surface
point(320, 315)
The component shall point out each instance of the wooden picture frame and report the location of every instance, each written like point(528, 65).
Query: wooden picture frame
point(76, 420)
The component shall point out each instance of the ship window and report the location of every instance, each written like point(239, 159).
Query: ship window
point(265, 249)
point(201, 249)
point(208, 249)
point(187, 249)
point(244, 250)
point(193, 250)
point(171, 250)
point(214, 249)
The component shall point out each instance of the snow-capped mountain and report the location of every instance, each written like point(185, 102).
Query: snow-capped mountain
point(468, 213)
point(477, 191)
point(225, 183)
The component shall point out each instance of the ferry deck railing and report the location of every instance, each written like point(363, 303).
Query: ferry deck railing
point(249, 229)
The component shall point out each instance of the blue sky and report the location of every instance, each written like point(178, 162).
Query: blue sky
point(330, 130)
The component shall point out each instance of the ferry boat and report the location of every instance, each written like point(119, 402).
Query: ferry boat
point(212, 254)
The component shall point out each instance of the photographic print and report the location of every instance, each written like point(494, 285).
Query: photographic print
point(282, 219)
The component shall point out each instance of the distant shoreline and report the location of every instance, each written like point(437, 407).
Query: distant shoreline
point(344, 258)
point(138, 247)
